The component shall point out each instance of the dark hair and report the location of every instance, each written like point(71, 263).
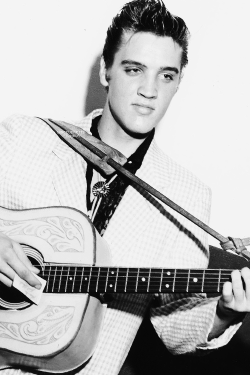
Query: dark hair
point(145, 16)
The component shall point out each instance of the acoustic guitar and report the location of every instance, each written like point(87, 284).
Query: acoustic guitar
point(60, 333)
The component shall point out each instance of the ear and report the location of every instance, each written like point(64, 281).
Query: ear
point(180, 78)
point(103, 73)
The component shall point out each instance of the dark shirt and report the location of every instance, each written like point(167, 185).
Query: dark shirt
point(118, 186)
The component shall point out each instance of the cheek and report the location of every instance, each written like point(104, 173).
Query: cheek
point(166, 97)
point(120, 93)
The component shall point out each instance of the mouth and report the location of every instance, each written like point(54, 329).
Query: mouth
point(143, 109)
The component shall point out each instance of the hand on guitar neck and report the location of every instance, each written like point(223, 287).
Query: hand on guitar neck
point(13, 260)
point(234, 302)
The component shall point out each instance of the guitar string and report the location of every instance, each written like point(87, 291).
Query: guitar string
point(132, 274)
point(154, 284)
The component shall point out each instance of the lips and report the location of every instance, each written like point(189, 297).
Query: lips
point(143, 109)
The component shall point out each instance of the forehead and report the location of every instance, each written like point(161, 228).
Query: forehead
point(149, 49)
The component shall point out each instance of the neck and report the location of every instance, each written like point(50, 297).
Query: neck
point(112, 134)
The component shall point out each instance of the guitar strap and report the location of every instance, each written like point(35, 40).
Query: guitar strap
point(108, 157)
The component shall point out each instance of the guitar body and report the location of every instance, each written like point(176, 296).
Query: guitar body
point(60, 333)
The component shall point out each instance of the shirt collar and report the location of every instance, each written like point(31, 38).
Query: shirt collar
point(135, 160)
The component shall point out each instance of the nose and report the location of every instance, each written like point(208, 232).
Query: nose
point(148, 88)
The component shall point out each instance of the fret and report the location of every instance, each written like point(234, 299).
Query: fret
point(167, 281)
point(148, 279)
point(103, 275)
point(89, 278)
point(80, 286)
point(117, 271)
point(86, 279)
point(203, 276)
point(137, 279)
point(73, 284)
point(93, 279)
point(180, 280)
point(97, 281)
point(70, 278)
point(53, 283)
point(211, 281)
point(122, 277)
point(54, 278)
point(60, 280)
point(218, 288)
point(66, 283)
point(161, 280)
point(126, 281)
point(111, 280)
point(48, 280)
point(131, 280)
point(155, 281)
point(143, 280)
point(77, 279)
point(173, 288)
point(188, 280)
point(106, 281)
point(195, 281)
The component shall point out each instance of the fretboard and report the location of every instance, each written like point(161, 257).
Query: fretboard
point(68, 279)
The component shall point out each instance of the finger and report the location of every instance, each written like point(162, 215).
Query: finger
point(245, 273)
point(227, 292)
point(238, 289)
point(7, 275)
point(15, 263)
point(23, 257)
point(5, 280)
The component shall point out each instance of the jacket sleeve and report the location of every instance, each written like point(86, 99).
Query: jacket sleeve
point(184, 321)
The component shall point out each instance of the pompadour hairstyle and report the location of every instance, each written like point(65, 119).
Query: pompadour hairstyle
point(145, 16)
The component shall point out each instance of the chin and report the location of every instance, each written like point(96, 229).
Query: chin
point(136, 134)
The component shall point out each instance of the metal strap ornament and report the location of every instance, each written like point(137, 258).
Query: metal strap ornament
point(101, 188)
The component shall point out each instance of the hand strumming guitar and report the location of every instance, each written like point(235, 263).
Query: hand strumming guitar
point(14, 260)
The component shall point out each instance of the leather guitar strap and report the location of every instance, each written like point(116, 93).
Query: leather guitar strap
point(106, 155)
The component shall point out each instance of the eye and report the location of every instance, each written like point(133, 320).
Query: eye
point(167, 77)
point(132, 71)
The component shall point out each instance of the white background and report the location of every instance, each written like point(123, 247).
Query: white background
point(49, 67)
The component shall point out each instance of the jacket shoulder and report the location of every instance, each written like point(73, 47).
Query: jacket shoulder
point(25, 129)
point(175, 171)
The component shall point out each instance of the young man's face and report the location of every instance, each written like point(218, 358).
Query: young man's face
point(142, 81)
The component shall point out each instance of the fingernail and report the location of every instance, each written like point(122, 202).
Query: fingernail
point(38, 286)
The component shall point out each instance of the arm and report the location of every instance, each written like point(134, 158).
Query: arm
point(186, 323)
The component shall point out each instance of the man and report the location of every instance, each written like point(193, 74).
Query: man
point(143, 59)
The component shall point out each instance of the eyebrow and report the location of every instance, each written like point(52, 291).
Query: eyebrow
point(136, 63)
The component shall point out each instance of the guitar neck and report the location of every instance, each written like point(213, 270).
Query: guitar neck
point(68, 279)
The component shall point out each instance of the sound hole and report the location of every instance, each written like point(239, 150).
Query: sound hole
point(11, 298)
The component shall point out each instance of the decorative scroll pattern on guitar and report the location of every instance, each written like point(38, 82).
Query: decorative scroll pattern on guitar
point(48, 327)
point(63, 234)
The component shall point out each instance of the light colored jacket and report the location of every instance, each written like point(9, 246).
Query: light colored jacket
point(37, 169)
